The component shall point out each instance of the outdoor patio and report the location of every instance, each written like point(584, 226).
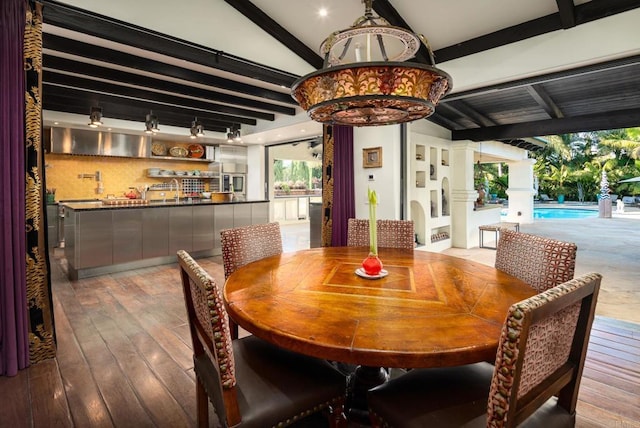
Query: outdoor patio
point(609, 246)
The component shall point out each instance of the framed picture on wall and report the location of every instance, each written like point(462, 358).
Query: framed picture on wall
point(372, 157)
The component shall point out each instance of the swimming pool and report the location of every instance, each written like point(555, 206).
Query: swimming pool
point(560, 213)
point(563, 213)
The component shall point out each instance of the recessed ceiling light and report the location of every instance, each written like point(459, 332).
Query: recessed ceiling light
point(323, 12)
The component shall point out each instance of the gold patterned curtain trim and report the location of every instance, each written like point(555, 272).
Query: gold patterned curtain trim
point(41, 327)
point(327, 185)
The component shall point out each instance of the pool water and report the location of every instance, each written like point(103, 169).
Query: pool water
point(563, 213)
point(560, 213)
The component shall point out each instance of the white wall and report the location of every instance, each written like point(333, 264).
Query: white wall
point(386, 180)
point(255, 172)
point(424, 190)
point(429, 128)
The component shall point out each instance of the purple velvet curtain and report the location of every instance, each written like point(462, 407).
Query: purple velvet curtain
point(343, 187)
point(14, 344)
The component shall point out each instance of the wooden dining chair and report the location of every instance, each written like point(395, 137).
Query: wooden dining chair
point(250, 382)
point(391, 233)
point(357, 232)
point(540, 262)
point(534, 382)
point(243, 245)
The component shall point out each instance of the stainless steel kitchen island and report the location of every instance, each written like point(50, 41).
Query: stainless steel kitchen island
point(101, 238)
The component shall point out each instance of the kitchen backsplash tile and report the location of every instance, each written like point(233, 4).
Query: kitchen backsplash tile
point(118, 174)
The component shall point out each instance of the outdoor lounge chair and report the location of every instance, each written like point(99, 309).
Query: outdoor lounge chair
point(629, 200)
point(545, 198)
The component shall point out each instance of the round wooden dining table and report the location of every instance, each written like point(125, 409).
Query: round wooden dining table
point(430, 310)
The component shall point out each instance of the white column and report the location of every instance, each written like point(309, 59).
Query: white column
point(521, 191)
point(463, 194)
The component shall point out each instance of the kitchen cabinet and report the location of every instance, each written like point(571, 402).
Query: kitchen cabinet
point(103, 239)
point(92, 239)
point(291, 209)
point(127, 235)
point(52, 225)
point(241, 215)
point(180, 229)
point(223, 220)
point(260, 213)
point(203, 228)
point(155, 233)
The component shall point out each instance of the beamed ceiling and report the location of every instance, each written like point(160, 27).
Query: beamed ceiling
point(91, 59)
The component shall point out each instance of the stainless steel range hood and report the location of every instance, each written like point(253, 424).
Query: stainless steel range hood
point(100, 143)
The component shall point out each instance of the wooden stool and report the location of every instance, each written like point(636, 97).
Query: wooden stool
point(495, 227)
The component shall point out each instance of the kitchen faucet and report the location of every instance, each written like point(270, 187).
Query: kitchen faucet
point(177, 195)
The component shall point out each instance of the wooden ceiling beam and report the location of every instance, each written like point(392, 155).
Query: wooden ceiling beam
point(388, 12)
point(464, 109)
point(593, 122)
point(598, 9)
point(83, 21)
point(52, 62)
point(586, 12)
point(567, 11)
point(89, 98)
point(543, 99)
point(443, 120)
point(130, 113)
point(551, 77)
point(143, 94)
point(56, 43)
point(264, 21)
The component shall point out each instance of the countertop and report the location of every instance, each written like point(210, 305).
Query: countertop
point(98, 205)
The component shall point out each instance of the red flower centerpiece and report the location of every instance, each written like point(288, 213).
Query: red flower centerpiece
point(372, 265)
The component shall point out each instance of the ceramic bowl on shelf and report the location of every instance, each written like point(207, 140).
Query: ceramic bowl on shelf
point(178, 152)
point(153, 171)
point(206, 195)
point(196, 151)
point(158, 149)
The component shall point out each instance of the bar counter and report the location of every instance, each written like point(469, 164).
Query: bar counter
point(102, 238)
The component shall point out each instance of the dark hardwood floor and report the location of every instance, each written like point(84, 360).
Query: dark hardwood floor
point(124, 359)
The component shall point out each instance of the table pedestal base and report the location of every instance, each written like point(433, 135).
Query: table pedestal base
point(363, 379)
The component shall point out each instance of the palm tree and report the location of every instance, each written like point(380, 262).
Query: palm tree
point(622, 150)
point(571, 162)
point(551, 167)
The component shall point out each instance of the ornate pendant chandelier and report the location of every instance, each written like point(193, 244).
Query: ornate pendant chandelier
point(365, 80)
